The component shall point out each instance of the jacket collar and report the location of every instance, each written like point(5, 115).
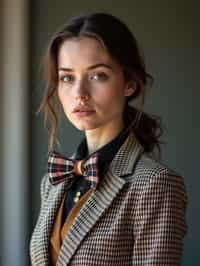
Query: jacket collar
point(126, 158)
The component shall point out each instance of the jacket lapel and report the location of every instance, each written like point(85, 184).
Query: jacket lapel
point(122, 165)
point(45, 223)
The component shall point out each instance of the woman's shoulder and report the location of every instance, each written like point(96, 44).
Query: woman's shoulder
point(153, 181)
point(148, 170)
point(149, 164)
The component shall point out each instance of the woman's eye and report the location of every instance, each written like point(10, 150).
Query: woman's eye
point(66, 78)
point(100, 76)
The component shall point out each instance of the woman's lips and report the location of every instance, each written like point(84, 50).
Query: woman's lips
point(84, 113)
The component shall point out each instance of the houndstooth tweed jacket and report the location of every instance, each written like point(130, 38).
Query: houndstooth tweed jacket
point(137, 216)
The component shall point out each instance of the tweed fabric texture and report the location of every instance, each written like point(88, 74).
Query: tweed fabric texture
point(137, 216)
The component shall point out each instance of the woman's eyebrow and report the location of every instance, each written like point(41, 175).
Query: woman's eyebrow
point(89, 68)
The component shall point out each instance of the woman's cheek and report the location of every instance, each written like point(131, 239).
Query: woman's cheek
point(63, 95)
point(64, 101)
point(104, 94)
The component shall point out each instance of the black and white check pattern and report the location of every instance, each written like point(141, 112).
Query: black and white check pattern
point(137, 216)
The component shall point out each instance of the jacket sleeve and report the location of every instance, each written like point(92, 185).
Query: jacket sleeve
point(160, 221)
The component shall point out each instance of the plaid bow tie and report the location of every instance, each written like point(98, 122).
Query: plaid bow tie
point(61, 168)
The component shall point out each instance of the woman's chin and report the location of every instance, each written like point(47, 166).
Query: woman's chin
point(84, 126)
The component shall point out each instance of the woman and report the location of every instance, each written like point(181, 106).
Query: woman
point(111, 203)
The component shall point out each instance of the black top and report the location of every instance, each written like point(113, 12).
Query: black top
point(106, 154)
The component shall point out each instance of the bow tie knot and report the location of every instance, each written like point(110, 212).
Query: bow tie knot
point(61, 168)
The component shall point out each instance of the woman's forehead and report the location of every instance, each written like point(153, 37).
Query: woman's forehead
point(83, 51)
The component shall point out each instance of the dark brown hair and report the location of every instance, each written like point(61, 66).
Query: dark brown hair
point(122, 46)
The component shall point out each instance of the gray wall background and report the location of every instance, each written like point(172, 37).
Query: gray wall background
point(14, 133)
point(169, 34)
point(1, 119)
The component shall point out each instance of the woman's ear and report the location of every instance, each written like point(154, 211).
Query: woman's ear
point(130, 89)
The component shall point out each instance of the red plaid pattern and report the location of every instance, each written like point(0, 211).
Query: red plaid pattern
point(61, 168)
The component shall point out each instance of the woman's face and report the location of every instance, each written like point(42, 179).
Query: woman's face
point(91, 86)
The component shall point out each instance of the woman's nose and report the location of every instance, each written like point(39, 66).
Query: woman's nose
point(82, 91)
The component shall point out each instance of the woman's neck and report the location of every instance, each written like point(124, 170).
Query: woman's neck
point(98, 138)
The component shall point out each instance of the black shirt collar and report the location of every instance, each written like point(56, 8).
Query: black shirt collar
point(106, 153)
